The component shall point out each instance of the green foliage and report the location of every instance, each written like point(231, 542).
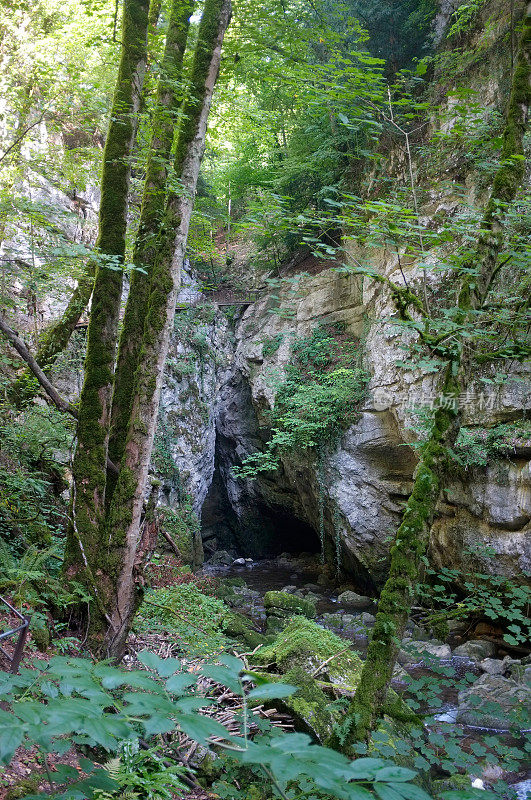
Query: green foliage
point(323, 387)
point(463, 17)
point(452, 595)
point(477, 447)
point(143, 773)
point(103, 706)
point(182, 524)
point(271, 344)
point(34, 449)
point(184, 610)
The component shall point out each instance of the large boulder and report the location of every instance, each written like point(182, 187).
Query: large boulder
point(322, 666)
point(354, 600)
point(281, 606)
point(476, 650)
point(423, 652)
point(495, 702)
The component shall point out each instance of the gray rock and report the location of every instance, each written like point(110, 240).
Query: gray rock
point(290, 589)
point(476, 650)
point(419, 634)
point(495, 702)
point(521, 673)
point(367, 619)
point(354, 600)
point(416, 652)
point(245, 591)
point(348, 619)
point(493, 666)
point(221, 559)
point(239, 562)
point(332, 620)
point(400, 674)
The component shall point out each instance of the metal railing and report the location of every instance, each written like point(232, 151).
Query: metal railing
point(15, 658)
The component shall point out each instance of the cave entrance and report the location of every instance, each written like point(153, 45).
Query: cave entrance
point(259, 530)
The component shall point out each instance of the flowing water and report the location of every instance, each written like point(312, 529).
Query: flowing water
point(441, 704)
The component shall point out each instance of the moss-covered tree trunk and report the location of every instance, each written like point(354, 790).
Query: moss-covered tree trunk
point(56, 337)
point(124, 521)
point(410, 544)
point(85, 547)
point(169, 94)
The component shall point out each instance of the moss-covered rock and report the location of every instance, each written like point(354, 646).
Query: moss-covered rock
point(309, 706)
point(281, 606)
point(453, 784)
point(319, 662)
point(239, 627)
point(23, 787)
point(305, 644)
point(41, 637)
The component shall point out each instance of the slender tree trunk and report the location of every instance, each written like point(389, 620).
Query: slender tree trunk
point(124, 522)
point(56, 337)
point(151, 216)
point(398, 594)
point(84, 544)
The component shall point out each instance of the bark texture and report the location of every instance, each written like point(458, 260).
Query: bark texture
point(124, 522)
point(85, 548)
point(151, 216)
point(398, 594)
point(56, 337)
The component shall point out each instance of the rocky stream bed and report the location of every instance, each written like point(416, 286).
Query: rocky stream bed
point(472, 696)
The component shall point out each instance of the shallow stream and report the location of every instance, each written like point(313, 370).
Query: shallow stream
point(434, 685)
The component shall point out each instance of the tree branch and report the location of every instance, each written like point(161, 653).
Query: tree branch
point(15, 340)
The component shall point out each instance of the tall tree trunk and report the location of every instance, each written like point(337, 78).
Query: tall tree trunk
point(56, 337)
point(84, 544)
point(412, 536)
point(159, 164)
point(126, 508)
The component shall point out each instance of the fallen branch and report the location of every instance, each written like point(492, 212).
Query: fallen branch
point(62, 404)
point(172, 543)
point(328, 660)
point(15, 340)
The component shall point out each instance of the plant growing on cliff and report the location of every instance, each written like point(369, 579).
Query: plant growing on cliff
point(475, 273)
point(320, 395)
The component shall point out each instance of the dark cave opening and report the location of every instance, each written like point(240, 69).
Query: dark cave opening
point(259, 530)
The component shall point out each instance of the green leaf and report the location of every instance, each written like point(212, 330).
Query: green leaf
point(363, 768)
point(224, 676)
point(358, 793)
point(10, 738)
point(412, 792)
point(63, 773)
point(182, 680)
point(386, 792)
point(395, 774)
point(272, 691)
point(163, 666)
point(200, 728)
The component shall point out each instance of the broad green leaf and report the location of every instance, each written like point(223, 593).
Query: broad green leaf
point(10, 738)
point(180, 681)
point(272, 691)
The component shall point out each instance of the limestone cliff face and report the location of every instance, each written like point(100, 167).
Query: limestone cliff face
point(484, 518)
point(215, 416)
point(221, 380)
